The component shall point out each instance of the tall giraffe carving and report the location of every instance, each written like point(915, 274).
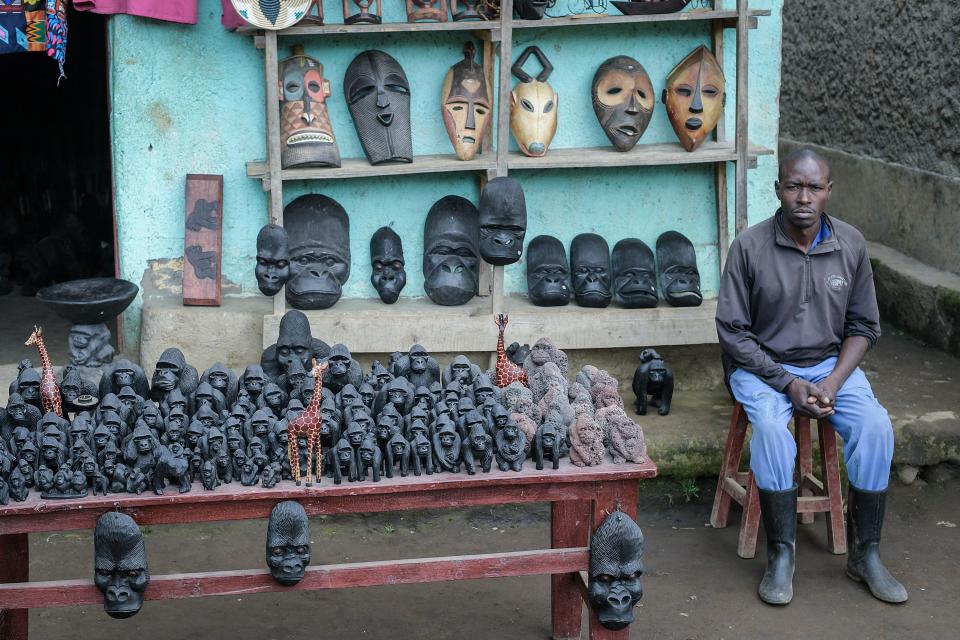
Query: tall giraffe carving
point(507, 371)
point(308, 423)
point(49, 389)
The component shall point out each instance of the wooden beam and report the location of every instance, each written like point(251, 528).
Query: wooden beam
point(503, 85)
point(613, 19)
point(386, 27)
point(743, 53)
point(65, 593)
point(720, 168)
point(361, 168)
point(653, 154)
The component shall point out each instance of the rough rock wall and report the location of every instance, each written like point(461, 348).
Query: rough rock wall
point(877, 78)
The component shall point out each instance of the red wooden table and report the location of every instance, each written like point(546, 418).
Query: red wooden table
point(580, 498)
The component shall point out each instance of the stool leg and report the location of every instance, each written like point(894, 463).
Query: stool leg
point(830, 465)
point(750, 521)
point(801, 431)
point(731, 464)
point(14, 567)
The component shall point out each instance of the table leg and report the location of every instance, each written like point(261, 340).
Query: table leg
point(612, 495)
point(14, 567)
point(569, 527)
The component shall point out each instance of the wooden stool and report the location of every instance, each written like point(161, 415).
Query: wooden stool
point(814, 497)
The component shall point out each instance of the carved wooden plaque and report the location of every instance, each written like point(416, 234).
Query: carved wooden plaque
point(201, 240)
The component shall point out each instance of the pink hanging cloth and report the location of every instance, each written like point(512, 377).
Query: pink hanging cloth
point(182, 11)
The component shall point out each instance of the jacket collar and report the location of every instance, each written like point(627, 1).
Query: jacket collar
point(782, 239)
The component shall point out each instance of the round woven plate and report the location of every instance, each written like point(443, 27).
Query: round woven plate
point(272, 14)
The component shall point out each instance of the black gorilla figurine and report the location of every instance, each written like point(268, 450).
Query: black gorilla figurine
point(616, 564)
point(653, 378)
point(288, 542)
point(120, 564)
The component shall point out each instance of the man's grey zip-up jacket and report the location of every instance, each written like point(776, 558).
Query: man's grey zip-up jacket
point(779, 305)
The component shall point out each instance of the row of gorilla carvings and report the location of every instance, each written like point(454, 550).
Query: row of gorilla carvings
point(309, 409)
point(310, 256)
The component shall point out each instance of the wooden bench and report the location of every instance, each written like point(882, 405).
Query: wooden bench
point(580, 498)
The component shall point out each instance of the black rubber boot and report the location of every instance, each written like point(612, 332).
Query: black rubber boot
point(779, 511)
point(864, 522)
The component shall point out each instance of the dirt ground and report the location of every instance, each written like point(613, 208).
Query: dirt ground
point(695, 584)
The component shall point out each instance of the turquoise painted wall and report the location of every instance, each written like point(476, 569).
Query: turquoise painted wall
point(189, 99)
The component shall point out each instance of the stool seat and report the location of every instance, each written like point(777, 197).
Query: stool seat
point(815, 495)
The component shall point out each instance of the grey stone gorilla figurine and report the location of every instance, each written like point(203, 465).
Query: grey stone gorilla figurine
point(616, 565)
point(120, 563)
point(288, 542)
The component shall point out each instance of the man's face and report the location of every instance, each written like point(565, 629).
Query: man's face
point(804, 188)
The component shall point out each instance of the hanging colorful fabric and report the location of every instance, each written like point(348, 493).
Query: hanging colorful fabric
point(34, 25)
point(56, 32)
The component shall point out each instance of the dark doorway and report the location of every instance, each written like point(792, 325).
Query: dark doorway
point(56, 203)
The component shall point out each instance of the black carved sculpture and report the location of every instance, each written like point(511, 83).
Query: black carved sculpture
point(345, 462)
point(294, 342)
point(386, 260)
point(171, 468)
point(478, 447)
point(548, 273)
point(446, 448)
point(677, 263)
point(123, 373)
point(319, 251)
point(616, 565)
point(511, 443)
point(398, 455)
point(418, 367)
point(451, 256)
point(273, 262)
point(503, 221)
point(378, 96)
point(221, 378)
point(120, 563)
point(547, 445)
point(634, 274)
point(369, 457)
point(172, 372)
point(422, 454)
point(288, 542)
point(590, 264)
point(530, 9)
point(343, 370)
point(653, 378)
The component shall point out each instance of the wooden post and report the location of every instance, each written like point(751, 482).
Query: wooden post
point(804, 466)
point(569, 527)
point(14, 568)
point(720, 168)
point(743, 140)
point(503, 90)
point(271, 72)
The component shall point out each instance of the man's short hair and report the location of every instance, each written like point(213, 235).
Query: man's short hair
point(801, 154)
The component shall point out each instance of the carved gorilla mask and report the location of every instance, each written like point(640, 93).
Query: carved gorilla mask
point(120, 563)
point(466, 104)
point(503, 221)
point(679, 277)
point(616, 564)
point(623, 100)
point(548, 276)
point(378, 96)
point(288, 542)
point(273, 266)
point(294, 341)
point(530, 9)
point(694, 97)
point(306, 135)
point(533, 106)
point(590, 261)
point(319, 232)
point(451, 262)
point(386, 257)
point(634, 274)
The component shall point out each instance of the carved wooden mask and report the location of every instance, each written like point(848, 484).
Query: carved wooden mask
point(533, 106)
point(466, 104)
point(306, 135)
point(694, 96)
point(623, 100)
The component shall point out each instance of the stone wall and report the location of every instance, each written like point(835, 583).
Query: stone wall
point(876, 79)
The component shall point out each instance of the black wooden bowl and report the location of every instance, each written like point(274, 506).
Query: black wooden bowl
point(649, 7)
point(89, 301)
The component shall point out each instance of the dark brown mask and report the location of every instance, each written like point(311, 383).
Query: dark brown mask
point(623, 100)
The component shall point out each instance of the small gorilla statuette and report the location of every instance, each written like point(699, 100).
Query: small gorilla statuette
point(478, 448)
point(511, 443)
point(369, 457)
point(288, 542)
point(120, 564)
point(616, 564)
point(653, 378)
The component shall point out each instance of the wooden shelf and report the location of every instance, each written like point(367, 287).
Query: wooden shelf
point(387, 27)
point(610, 19)
point(360, 168)
point(369, 326)
point(658, 154)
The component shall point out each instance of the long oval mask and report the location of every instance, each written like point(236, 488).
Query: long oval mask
point(695, 96)
point(623, 100)
point(466, 104)
point(533, 106)
point(378, 96)
point(306, 134)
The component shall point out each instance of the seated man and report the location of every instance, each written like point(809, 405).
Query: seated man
point(796, 314)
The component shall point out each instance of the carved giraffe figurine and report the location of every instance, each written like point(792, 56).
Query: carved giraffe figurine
point(308, 423)
point(507, 371)
point(49, 389)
